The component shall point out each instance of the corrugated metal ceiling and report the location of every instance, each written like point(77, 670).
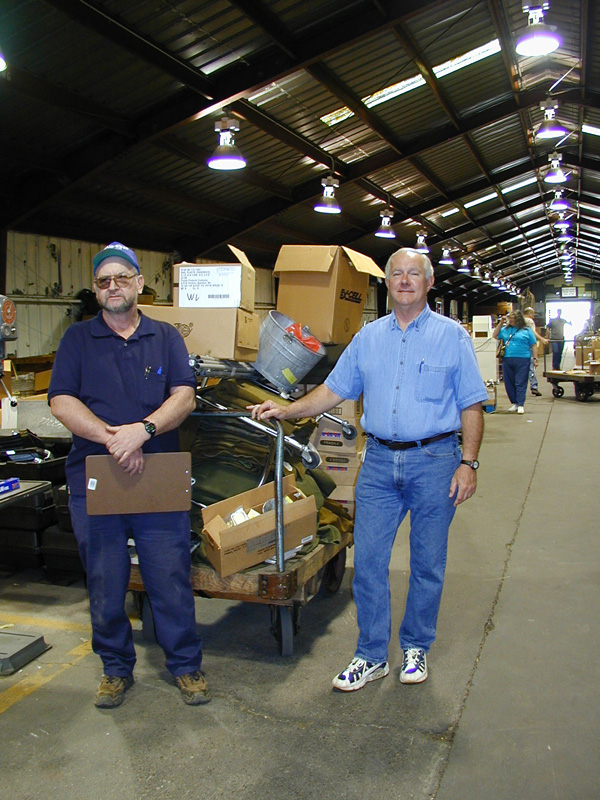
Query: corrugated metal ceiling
point(109, 110)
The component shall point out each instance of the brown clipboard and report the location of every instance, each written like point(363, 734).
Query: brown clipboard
point(164, 485)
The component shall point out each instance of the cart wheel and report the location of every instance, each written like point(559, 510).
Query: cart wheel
point(583, 393)
point(349, 431)
point(283, 628)
point(310, 459)
point(333, 573)
point(558, 391)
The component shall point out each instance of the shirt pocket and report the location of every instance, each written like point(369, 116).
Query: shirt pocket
point(432, 383)
point(153, 392)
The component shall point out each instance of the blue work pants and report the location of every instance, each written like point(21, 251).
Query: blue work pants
point(162, 541)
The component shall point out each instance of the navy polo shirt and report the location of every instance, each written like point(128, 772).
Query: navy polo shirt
point(119, 380)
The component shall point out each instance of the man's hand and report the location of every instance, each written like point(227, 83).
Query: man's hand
point(267, 410)
point(125, 445)
point(463, 484)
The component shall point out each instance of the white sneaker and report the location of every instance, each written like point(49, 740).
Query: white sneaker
point(513, 407)
point(520, 410)
point(414, 666)
point(358, 672)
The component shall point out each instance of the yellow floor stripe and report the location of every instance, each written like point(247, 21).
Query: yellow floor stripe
point(43, 622)
point(32, 683)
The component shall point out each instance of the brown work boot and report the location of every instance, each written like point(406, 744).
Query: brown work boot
point(193, 688)
point(111, 691)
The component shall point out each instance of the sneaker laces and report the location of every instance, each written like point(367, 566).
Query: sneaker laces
point(413, 658)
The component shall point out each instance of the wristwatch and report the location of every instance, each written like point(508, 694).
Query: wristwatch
point(472, 464)
point(150, 427)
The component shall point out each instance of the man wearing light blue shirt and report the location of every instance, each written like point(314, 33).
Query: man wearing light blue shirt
point(420, 382)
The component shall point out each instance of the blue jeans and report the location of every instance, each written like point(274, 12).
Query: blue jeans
point(390, 484)
point(533, 381)
point(515, 372)
point(163, 545)
point(557, 351)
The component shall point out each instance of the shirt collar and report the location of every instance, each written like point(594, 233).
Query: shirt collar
point(101, 329)
point(419, 322)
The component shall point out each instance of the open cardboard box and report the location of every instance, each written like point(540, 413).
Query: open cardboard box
point(234, 549)
point(324, 287)
point(215, 285)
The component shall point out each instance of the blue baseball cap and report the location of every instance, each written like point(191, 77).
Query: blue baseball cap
point(115, 249)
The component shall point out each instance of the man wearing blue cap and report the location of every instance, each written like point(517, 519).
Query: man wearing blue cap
point(122, 384)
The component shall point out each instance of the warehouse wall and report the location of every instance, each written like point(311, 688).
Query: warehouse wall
point(44, 274)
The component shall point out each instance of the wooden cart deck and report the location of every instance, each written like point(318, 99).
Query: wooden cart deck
point(585, 384)
point(261, 584)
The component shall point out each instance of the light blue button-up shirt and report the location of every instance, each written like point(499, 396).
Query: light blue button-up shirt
point(415, 382)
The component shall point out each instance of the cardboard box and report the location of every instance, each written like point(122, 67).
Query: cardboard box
point(233, 549)
point(349, 410)
point(324, 287)
point(342, 467)
point(41, 380)
point(344, 495)
point(329, 438)
point(230, 333)
point(215, 285)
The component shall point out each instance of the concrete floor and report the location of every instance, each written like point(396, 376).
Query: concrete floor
point(510, 710)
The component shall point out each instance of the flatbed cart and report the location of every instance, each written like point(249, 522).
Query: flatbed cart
point(285, 586)
point(585, 385)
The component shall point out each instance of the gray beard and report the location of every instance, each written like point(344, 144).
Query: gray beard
point(126, 305)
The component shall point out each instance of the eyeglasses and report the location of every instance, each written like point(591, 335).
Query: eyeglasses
point(121, 281)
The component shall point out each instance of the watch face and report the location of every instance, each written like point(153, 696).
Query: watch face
point(150, 428)
point(475, 464)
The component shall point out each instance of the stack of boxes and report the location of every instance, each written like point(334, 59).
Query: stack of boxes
point(213, 308)
point(587, 354)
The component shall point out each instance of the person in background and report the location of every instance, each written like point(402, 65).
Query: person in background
point(122, 384)
point(420, 382)
point(556, 334)
point(521, 347)
point(528, 315)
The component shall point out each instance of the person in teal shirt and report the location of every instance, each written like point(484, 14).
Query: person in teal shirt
point(521, 346)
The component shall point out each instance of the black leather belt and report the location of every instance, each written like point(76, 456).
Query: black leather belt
point(407, 445)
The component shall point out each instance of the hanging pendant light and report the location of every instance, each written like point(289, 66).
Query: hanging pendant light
point(328, 203)
point(538, 39)
point(385, 230)
point(561, 224)
point(2, 62)
point(464, 266)
point(446, 259)
point(550, 128)
point(421, 245)
point(555, 173)
point(226, 156)
point(559, 203)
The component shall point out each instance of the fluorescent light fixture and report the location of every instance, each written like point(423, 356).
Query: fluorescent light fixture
point(480, 200)
point(409, 84)
point(328, 204)
point(450, 212)
point(512, 239)
point(539, 39)
point(446, 258)
point(385, 230)
point(226, 156)
point(585, 128)
point(520, 185)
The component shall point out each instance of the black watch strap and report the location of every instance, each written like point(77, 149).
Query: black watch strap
point(150, 427)
point(472, 464)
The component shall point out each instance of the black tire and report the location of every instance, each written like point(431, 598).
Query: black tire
point(333, 573)
point(283, 629)
point(558, 391)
